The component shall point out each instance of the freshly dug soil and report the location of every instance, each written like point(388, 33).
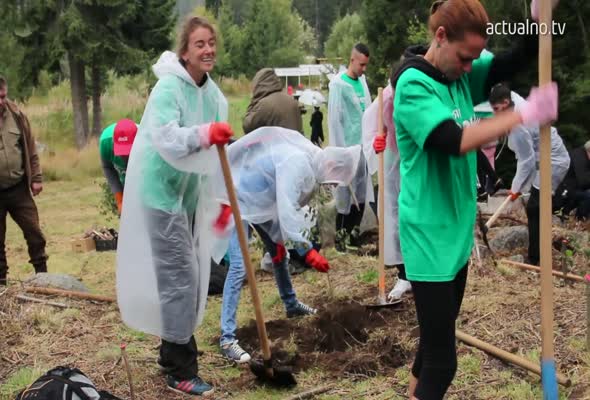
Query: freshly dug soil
point(345, 338)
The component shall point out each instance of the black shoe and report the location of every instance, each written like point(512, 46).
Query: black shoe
point(40, 268)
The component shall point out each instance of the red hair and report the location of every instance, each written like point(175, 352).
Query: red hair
point(458, 17)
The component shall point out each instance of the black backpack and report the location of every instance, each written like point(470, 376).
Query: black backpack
point(63, 383)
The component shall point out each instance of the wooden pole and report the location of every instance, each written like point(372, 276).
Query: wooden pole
point(262, 335)
point(506, 356)
point(381, 202)
point(548, 369)
point(69, 293)
point(528, 267)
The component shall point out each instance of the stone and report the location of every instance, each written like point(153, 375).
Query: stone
point(57, 281)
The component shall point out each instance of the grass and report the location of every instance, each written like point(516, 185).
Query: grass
point(500, 308)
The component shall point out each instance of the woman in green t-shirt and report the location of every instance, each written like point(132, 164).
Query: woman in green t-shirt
point(436, 89)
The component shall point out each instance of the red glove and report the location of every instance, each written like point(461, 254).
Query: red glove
point(219, 133)
point(223, 219)
point(514, 196)
point(379, 143)
point(119, 200)
point(281, 253)
point(318, 262)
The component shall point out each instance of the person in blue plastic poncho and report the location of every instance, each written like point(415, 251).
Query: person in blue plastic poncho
point(164, 249)
point(347, 101)
point(276, 173)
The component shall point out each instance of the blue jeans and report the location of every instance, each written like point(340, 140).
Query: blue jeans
point(235, 279)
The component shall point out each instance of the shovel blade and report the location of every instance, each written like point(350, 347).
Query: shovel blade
point(280, 376)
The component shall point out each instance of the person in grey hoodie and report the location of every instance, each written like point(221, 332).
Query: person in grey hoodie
point(271, 105)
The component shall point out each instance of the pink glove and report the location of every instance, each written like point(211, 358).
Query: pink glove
point(318, 262)
point(535, 8)
point(541, 105)
point(379, 143)
point(219, 133)
point(223, 219)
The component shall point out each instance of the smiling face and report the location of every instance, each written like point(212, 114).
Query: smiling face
point(199, 56)
point(454, 58)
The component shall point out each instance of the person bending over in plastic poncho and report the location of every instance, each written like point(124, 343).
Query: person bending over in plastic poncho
point(524, 142)
point(164, 249)
point(276, 173)
point(372, 145)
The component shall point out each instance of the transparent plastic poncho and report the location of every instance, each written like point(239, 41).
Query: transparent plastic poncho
point(276, 172)
point(166, 239)
point(392, 253)
point(524, 141)
point(345, 129)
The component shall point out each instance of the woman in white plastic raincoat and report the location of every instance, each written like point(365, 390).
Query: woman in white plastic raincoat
point(372, 146)
point(164, 249)
point(276, 172)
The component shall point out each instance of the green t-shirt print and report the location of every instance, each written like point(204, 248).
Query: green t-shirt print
point(359, 90)
point(437, 202)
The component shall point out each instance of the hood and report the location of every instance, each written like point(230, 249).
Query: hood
point(413, 59)
point(168, 63)
point(265, 82)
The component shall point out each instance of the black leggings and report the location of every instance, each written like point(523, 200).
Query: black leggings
point(437, 308)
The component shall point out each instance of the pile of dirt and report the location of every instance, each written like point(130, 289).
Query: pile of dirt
point(345, 338)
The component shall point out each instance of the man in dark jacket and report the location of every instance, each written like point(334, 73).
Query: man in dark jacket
point(577, 182)
point(20, 180)
point(317, 130)
point(270, 105)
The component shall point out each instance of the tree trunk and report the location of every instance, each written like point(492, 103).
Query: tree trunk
point(96, 106)
point(79, 104)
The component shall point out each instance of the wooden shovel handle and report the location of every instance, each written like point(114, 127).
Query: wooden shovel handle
point(229, 184)
point(495, 216)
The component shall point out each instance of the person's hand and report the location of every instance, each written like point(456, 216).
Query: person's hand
point(541, 105)
point(119, 200)
point(379, 143)
point(36, 188)
point(317, 261)
point(222, 219)
point(513, 196)
point(281, 254)
point(219, 133)
point(535, 8)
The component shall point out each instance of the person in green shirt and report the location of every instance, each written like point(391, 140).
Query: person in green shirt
point(114, 146)
point(436, 89)
point(347, 101)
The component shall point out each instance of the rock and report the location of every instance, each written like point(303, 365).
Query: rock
point(509, 238)
point(57, 281)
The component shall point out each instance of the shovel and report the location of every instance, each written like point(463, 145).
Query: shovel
point(484, 228)
point(277, 376)
point(381, 300)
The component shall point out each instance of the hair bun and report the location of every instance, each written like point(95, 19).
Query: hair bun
point(436, 5)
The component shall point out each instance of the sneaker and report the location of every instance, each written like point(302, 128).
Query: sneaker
point(266, 263)
point(234, 352)
point(301, 310)
point(399, 289)
point(194, 386)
